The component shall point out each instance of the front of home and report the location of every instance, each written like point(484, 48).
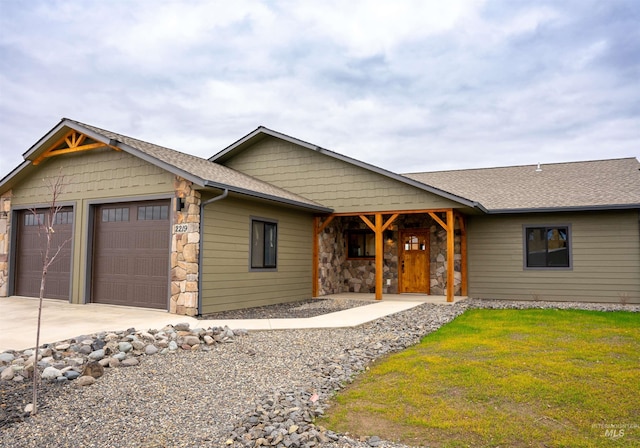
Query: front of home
point(272, 218)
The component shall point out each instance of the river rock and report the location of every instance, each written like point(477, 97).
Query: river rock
point(50, 373)
point(85, 381)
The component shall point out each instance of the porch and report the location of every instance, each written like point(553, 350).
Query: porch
point(408, 297)
point(393, 252)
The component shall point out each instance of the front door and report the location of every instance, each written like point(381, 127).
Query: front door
point(414, 261)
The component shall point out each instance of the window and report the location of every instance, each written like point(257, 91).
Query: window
point(34, 219)
point(153, 212)
point(264, 244)
point(64, 218)
point(115, 214)
point(361, 244)
point(547, 247)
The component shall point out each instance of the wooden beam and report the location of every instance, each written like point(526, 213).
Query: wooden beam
point(315, 290)
point(390, 212)
point(368, 223)
point(326, 222)
point(450, 255)
point(74, 141)
point(437, 219)
point(463, 256)
point(390, 221)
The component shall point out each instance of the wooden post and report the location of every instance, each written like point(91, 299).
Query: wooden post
point(450, 255)
point(378, 228)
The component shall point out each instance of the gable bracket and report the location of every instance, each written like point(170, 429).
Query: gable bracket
point(72, 142)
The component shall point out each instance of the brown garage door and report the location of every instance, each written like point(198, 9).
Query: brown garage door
point(32, 242)
point(131, 254)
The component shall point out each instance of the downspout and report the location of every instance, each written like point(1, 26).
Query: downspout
point(224, 194)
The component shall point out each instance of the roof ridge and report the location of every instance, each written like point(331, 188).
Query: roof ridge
point(542, 164)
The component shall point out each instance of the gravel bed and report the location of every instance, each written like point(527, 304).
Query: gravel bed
point(299, 309)
point(263, 389)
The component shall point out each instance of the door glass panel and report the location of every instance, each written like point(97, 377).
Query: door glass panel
point(413, 242)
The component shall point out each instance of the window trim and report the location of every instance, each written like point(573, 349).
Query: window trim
point(348, 232)
point(252, 220)
point(526, 227)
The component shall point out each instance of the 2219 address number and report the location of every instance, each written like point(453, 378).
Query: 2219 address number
point(180, 228)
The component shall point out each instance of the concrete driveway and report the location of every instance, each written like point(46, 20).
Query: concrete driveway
point(62, 320)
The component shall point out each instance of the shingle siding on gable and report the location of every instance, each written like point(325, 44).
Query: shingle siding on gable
point(605, 265)
point(95, 174)
point(331, 182)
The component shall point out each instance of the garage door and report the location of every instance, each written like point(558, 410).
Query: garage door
point(131, 254)
point(31, 245)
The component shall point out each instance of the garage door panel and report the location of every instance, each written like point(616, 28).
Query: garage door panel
point(31, 245)
point(131, 253)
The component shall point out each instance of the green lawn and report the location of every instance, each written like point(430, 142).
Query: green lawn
point(505, 378)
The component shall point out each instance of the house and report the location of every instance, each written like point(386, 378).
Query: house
point(272, 218)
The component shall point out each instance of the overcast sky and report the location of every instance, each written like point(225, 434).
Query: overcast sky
point(404, 85)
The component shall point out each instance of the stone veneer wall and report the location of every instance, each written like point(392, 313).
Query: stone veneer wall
point(185, 250)
point(332, 252)
point(338, 274)
point(5, 232)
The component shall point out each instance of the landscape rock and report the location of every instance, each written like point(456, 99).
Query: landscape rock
point(7, 374)
point(85, 381)
point(50, 373)
point(93, 369)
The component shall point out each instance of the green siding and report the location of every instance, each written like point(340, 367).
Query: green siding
point(96, 175)
point(329, 181)
point(605, 252)
point(227, 282)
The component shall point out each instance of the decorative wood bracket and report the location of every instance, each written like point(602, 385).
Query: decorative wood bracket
point(73, 141)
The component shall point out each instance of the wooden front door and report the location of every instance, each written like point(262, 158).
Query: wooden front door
point(414, 261)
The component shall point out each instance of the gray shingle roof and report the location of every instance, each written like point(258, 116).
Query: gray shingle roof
point(595, 184)
point(208, 173)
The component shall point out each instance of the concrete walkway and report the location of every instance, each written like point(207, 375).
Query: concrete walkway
point(62, 320)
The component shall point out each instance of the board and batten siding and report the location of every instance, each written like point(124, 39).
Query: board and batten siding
point(96, 175)
point(227, 281)
point(605, 251)
point(330, 181)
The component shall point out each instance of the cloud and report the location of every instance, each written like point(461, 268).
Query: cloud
point(407, 85)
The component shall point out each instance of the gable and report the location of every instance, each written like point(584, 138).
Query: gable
point(345, 187)
point(94, 174)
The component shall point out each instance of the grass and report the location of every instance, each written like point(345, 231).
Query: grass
point(515, 378)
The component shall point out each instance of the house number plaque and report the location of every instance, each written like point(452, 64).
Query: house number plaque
point(180, 228)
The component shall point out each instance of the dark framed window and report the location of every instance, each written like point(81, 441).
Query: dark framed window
point(264, 244)
point(153, 212)
point(361, 244)
point(547, 247)
point(116, 214)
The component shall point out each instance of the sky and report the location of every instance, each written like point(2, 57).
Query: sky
point(404, 85)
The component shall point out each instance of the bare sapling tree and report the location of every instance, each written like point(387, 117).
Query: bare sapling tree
point(46, 225)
